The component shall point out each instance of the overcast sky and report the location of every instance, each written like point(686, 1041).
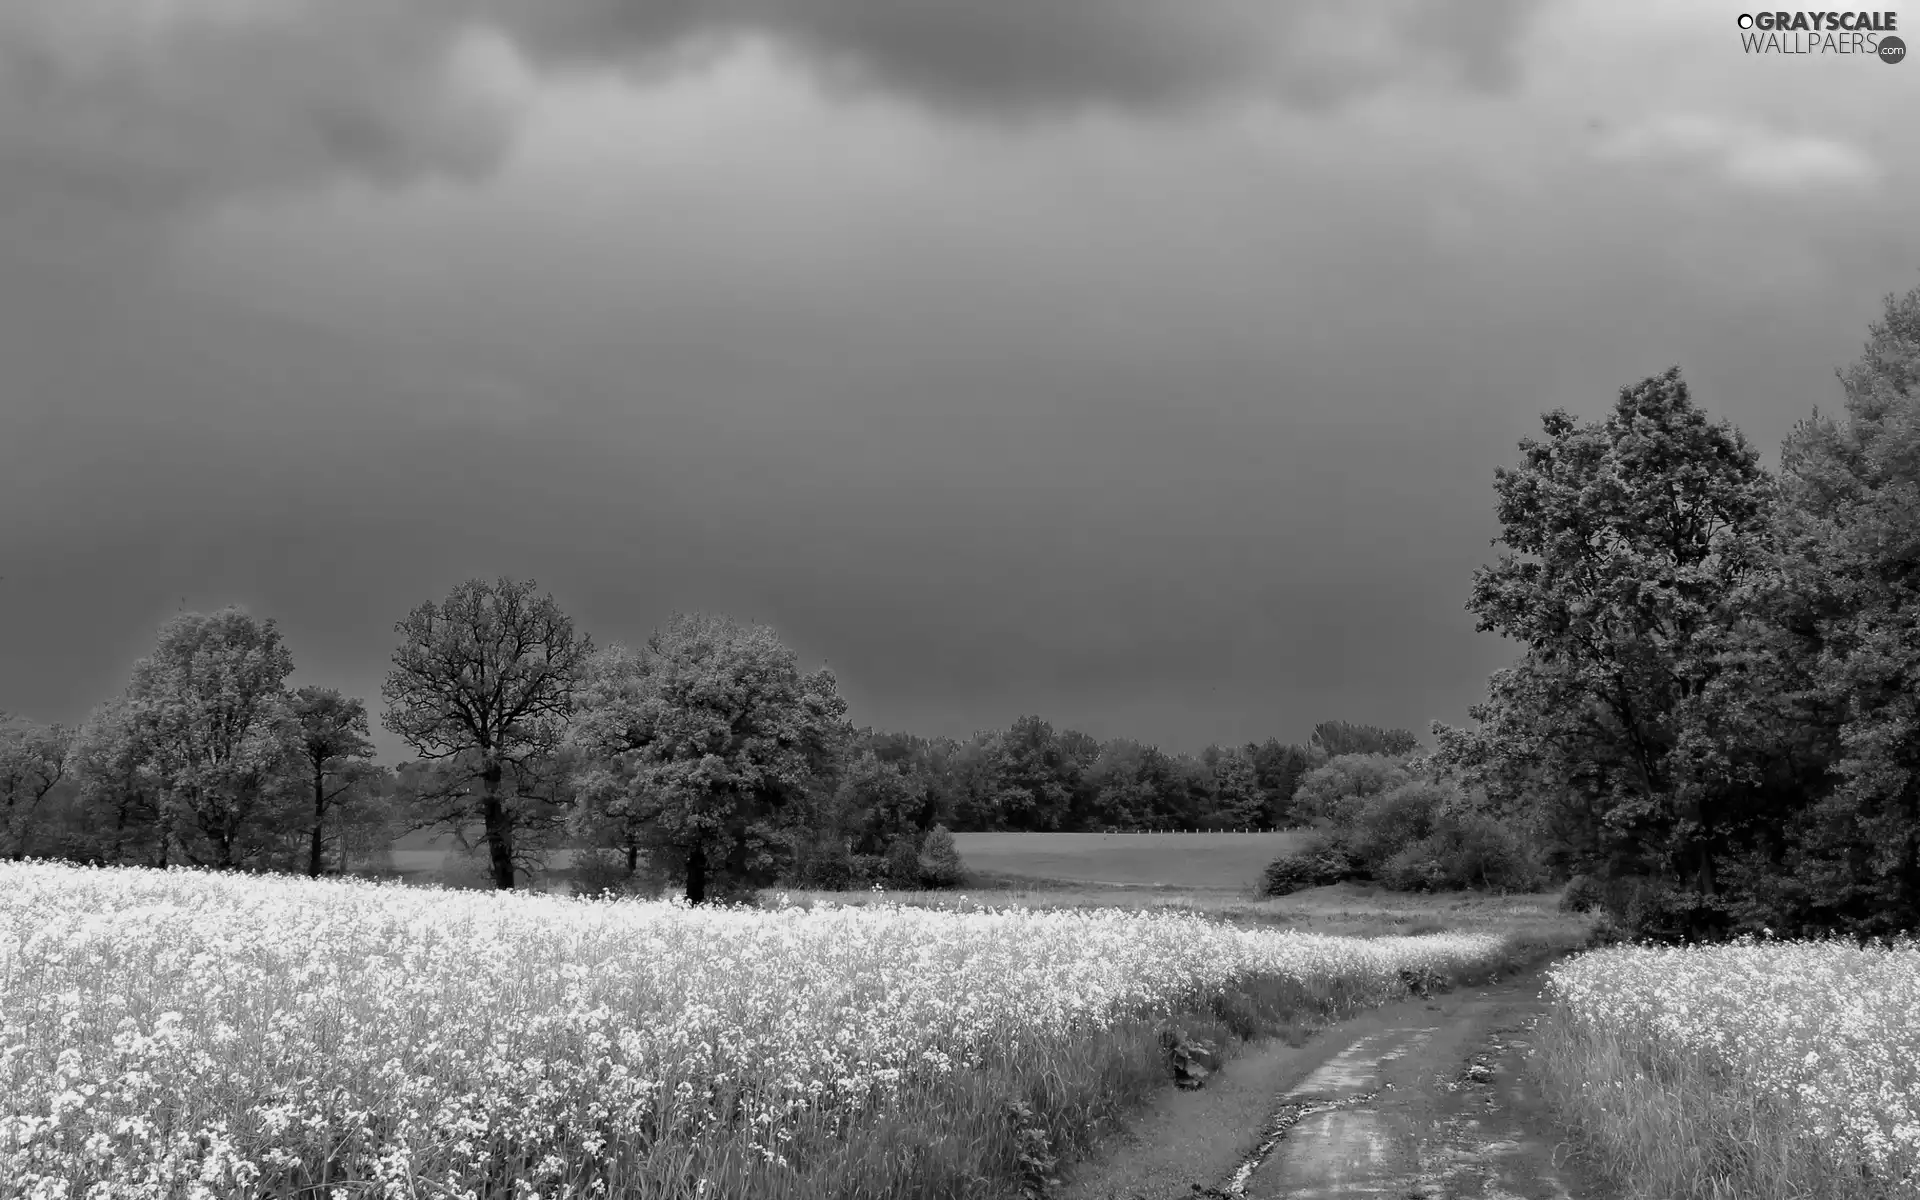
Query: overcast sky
point(1139, 363)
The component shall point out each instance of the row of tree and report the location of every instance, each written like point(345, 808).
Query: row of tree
point(704, 753)
point(1717, 707)
point(206, 758)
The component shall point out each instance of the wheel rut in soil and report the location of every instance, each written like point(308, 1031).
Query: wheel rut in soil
point(1422, 1100)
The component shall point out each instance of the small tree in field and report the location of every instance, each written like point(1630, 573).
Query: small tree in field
point(483, 684)
point(334, 757)
point(940, 863)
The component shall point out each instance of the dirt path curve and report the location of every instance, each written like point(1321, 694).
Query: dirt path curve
point(1420, 1100)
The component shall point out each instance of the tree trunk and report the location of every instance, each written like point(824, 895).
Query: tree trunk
point(1708, 880)
point(319, 818)
point(633, 856)
point(166, 828)
point(120, 828)
point(697, 874)
point(499, 847)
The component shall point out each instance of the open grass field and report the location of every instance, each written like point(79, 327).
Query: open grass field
point(1343, 910)
point(1222, 861)
point(195, 1034)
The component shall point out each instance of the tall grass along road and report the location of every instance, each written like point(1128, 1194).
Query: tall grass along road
point(192, 1035)
point(1760, 1070)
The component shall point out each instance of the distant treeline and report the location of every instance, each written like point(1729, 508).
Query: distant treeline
point(703, 755)
point(1713, 720)
point(1032, 777)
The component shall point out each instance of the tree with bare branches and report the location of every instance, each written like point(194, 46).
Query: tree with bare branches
point(483, 683)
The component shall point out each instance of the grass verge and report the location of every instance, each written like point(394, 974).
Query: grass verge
point(1759, 1070)
point(1678, 1127)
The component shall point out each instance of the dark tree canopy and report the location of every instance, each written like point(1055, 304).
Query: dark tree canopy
point(1334, 738)
point(33, 761)
point(485, 681)
point(1716, 690)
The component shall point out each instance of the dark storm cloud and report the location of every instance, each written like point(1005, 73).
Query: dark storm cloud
point(1178, 425)
point(110, 114)
point(1045, 55)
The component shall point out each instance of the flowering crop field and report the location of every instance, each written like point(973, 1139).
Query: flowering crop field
point(190, 1034)
point(1755, 1069)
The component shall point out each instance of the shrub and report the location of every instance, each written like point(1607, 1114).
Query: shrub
point(598, 871)
point(868, 870)
point(940, 863)
point(1656, 910)
point(827, 867)
point(1582, 895)
point(903, 861)
point(1464, 851)
point(1605, 932)
point(1321, 860)
point(1337, 857)
point(1415, 868)
point(1389, 822)
point(1288, 874)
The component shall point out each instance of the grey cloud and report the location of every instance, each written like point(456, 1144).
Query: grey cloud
point(1045, 55)
point(110, 115)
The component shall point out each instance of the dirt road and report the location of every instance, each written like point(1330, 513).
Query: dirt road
point(1421, 1100)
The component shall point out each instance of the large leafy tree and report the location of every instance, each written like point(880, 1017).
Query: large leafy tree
point(1237, 798)
point(1137, 786)
point(333, 755)
point(33, 761)
point(1278, 768)
point(1843, 645)
point(121, 800)
point(702, 736)
point(926, 762)
point(1032, 777)
point(1627, 540)
point(211, 707)
point(1334, 792)
point(483, 684)
point(875, 803)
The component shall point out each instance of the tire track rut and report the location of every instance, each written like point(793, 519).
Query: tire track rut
point(1420, 1100)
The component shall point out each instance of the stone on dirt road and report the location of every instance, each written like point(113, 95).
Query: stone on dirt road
point(1191, 1059)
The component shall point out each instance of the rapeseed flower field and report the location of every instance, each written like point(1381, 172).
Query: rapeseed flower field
point(1755, 1069)
point(206, 1035)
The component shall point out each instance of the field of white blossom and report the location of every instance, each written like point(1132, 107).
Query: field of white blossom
point(1756, 1069)
point(190, 1034)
